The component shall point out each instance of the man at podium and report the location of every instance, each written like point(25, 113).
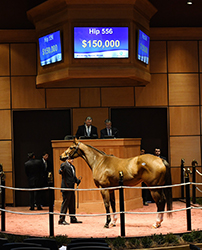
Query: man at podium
point(109, 131)
point(87, 131)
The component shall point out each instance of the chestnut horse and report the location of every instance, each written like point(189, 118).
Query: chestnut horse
point(106, 170)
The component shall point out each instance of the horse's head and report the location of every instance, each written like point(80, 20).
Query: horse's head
point(72, 152)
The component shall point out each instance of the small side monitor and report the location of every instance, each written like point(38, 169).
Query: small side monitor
point(50, 48)
point(143, 47)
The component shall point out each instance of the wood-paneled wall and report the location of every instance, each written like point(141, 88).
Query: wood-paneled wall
point(175, 66)
point(180, 63)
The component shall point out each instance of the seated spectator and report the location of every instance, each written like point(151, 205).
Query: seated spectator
point(87, 130)
point(109, 130)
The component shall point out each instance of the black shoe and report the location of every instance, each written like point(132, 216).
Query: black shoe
point(194, 247)
point(75, 221)
point(39, 208)
point(145, 203)
point(31, 208)
point(63, 222)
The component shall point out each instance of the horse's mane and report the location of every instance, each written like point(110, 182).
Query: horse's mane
point(99, 151)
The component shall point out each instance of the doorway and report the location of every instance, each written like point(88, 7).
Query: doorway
point(33, 132)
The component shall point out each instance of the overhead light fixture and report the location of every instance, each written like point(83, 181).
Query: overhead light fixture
point(189, 2)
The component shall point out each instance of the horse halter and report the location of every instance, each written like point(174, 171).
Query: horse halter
point(75, 151)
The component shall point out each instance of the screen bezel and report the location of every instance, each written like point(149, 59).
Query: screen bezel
point(61, 44)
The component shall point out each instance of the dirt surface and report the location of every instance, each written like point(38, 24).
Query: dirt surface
point(135, 225)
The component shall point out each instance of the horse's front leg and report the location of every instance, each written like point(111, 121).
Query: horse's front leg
point(113, 205)
point(106, 198)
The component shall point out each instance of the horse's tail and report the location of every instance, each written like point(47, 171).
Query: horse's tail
point(168, 191)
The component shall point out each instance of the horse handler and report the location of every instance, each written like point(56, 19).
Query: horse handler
point(68, 172)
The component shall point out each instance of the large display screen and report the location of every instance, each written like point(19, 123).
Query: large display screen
point(143, 47)
point(50, 48)
point(100, 42)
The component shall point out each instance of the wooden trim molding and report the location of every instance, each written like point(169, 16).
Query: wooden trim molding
point(176, 33)
point(24, 36)
point(162, 34)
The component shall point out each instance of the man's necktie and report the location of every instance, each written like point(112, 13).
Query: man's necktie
point(72, 170)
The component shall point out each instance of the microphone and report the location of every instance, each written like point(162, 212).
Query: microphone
point(94, 136)
point(115, 132)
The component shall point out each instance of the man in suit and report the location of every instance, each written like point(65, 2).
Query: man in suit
point(46, 166)
point(47, 171)
point(34, 172)
point(68, 172)
point(157, 152)
point(87, 129)
point(109, 130)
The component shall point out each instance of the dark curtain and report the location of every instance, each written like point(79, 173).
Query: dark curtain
point(150, 124)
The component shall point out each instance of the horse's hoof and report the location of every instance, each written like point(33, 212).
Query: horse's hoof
point(113, 225)
point(155, 226)
point(106, 226)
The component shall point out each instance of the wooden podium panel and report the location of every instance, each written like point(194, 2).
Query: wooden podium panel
point(91, 201)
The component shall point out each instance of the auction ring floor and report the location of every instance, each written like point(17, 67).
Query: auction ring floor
point(135, 225)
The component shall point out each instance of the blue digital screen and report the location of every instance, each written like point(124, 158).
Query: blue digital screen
point(143, 47)
point(50, 48)
point(100, 42)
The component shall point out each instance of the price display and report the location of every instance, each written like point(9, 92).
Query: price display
point(50, 48)
point(143, 47)
point(101, 42)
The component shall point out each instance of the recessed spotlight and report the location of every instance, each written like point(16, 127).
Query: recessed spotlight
point(189, 2)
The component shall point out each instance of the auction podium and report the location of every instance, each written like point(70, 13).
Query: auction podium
point(91, 201)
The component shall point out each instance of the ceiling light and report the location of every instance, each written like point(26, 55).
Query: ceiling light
point(189, 2)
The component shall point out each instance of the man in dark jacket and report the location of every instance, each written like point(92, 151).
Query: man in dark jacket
point(34, 172)
point(46, 168)
point(87, 130)
point(47, 177)
point(157, 152)
point(68, 172)
point(109, 130)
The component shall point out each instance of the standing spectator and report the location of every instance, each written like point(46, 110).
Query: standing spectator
point(68, 172)
point(142, 151)
point(34, 172)
point(87, 130)
point(157, 152)
point(47, 172)
point(46, 166)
